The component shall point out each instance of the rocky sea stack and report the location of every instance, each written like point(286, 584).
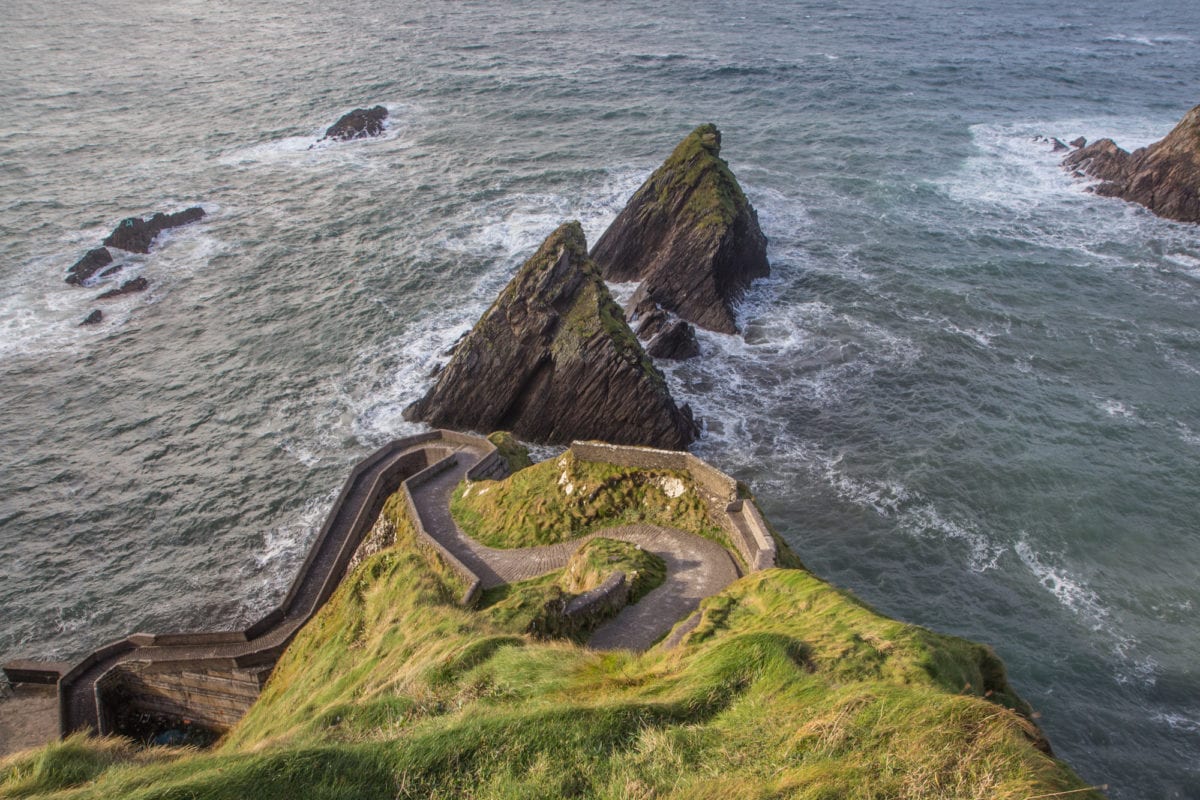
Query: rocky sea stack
point(136, 234)
point(690, 235)
point(553, 360)
point(1164, 177)
point(360, 123)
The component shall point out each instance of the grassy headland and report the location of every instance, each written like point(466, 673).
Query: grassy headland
point(787, 688)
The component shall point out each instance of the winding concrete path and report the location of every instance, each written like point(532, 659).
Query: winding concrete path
point(696, 567)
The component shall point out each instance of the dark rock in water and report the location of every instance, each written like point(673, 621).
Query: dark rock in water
point(1056, 145)
point(136, 234)
point(128, 287)
point(358, 124)
point(652, 323)
point(93, 318)
point(690, 235)
point(92, 261)
point(677, 341)
point(1080, 142)
point(112, 270)
point(553, 360)
point(1164, 176)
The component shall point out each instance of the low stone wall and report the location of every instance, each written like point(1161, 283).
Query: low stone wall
point(199, 693)
point(472, 581)
point(600, 603)
point(740, 519)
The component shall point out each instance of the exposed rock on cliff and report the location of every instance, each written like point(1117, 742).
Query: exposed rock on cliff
point(92, 262)
point(358, 124)
point(690, 235)
point(136, 234)
point(552, 360)
point(1164, 177)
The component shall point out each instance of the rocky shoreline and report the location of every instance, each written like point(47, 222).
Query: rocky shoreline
point(1164, 176)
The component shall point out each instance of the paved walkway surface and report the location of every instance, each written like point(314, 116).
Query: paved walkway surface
point(28, 718)
point(696, 567)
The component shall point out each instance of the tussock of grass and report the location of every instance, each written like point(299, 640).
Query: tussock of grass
point(515, 454)
point(567, 498)
point(787, 688)
point(536, 606)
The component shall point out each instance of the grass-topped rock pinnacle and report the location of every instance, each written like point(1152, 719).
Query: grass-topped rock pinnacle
point(1164, 176)
point(690, 235)
point(553, 360)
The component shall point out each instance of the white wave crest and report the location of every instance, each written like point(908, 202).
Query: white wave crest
point(1073, 593)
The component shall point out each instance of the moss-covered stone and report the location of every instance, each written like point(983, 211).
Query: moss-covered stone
point(690, 235)
point(553, 360)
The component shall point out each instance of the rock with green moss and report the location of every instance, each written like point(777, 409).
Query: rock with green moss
point(690, 235)
point(1164, 177)
point(553, 360)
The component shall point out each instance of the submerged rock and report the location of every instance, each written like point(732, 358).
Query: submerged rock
point(1164, 176)
point(93, 318)
point(553, 360)
point(690, 235)
point(92, 262)
point(358, 124)
point(676, 341)
point(136, 234)
point(128, 287)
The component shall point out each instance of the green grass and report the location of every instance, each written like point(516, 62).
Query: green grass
point(515, 454)
point(566, 498)
point(788, 688)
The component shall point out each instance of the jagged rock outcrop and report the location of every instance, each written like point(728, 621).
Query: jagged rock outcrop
point(358, 124)
point(1164, 177)
point(676, 341)
point(690, 235)
point(93, 318)
point(665, 336)
point(128, 287)
point(136, 234)
point(92, 262)
point(553, 360)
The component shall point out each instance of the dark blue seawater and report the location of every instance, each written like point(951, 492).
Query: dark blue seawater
point(970, 392)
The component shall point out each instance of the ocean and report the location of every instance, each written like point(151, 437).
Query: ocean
point(969, 392)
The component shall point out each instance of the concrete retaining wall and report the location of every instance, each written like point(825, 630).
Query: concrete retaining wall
point(201, 694)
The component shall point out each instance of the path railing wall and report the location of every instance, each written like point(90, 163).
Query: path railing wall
point(213, 676)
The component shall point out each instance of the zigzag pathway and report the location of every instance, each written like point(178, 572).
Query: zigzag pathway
point(696, 567)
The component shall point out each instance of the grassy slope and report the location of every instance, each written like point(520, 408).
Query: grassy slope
point(534, 507)
point(787, 688)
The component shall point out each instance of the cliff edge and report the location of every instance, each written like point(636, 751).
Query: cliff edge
point(690, 235)
point(553, 360)
point(1164, 176)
